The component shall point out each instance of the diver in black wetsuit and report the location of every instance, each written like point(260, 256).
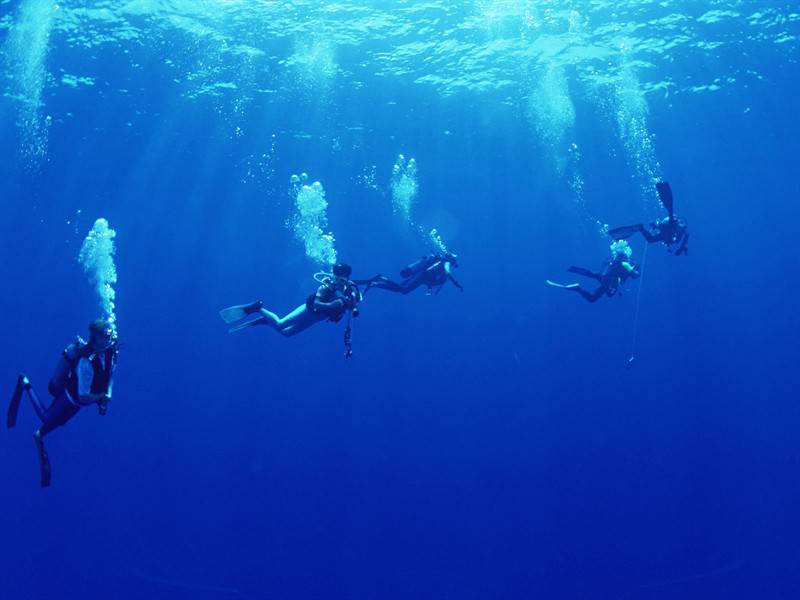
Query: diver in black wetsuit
point(616, 271)
point(83, 376)
point(335, 297)
point(433, 270)
point(672, 231)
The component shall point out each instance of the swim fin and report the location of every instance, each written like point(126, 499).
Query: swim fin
point(246, 324)
point(665, 194)
point(44, 461)
point(240, 311)
point(624, 232)
point(16, 397)
point(585, 272)
point(563, 286)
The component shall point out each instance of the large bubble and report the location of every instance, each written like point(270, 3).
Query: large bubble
point(310, 220)
point(404, 186)
point(97, 258)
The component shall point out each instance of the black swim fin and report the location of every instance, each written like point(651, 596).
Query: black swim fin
point(624, 232)
point(665, 194)
point(16, 397)
point(44, 461)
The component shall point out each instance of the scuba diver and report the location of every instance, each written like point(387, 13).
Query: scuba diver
point(433, 270)
point(336, 296)
point(672, 231)
point(83, 376)
point(616, 271)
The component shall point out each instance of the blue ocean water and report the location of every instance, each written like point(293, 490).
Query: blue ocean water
point(484, 444)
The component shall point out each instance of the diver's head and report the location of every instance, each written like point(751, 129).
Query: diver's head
point(452, 258)
point(102, 334)
point(342, 271)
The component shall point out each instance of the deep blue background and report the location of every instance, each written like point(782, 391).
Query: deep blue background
point(489, 444)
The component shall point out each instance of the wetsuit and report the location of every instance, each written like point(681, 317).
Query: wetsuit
point(671, 231)
point(615, 272)
point(80, 373)
point(81, 377)
point(330, 302)
point(433, 271)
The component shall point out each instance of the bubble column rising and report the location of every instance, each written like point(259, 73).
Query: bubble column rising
point(26, 52)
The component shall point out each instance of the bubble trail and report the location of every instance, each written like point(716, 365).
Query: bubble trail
point(631, 116)
point(26, 53)
point(310, 220)
point(404, 186)
point(97, 258)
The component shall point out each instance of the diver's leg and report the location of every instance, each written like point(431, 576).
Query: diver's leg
point(624, 232)
point(665, 195)
point(298, 320)
point(409, 285)
point(38, 405)
point(585, 273)
point(60, 411)
point(651, 239)
point(384, 283)
point(57, 414)
point(590, 296)
point(264, 317)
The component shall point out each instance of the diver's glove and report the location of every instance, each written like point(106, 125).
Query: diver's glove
point(102, 406)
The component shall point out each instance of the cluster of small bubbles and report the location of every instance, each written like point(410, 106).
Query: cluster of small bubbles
point(621, 248)
point(404, 186)
point(552, 113)
point(259, 168)
point(311, 220)
point(437, 241)
point(639, 143)
point(26, 50)
point(97, 258)
point(368, 177)
point(315, 67)
point(576, 182)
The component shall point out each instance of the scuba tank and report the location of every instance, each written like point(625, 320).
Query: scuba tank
point(418, 266)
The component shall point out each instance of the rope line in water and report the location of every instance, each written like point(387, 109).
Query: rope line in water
point(638, 302)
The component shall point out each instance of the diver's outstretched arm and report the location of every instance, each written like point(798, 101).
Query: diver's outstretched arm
point(329, 309)
point(684, 247)
point(455, 283)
